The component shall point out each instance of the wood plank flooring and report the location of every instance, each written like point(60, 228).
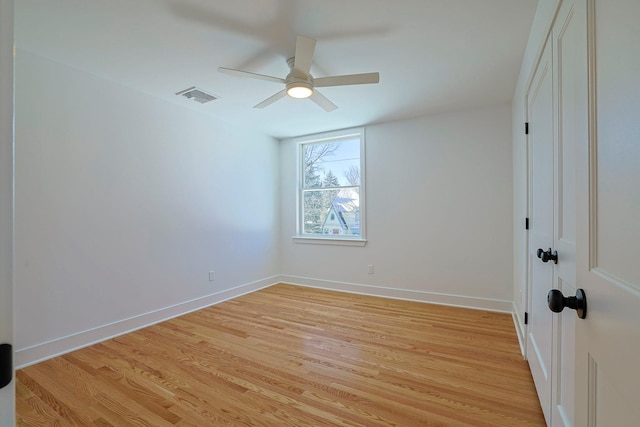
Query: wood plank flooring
point(293, 356)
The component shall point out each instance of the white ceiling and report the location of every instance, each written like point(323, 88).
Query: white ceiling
point(433, 55)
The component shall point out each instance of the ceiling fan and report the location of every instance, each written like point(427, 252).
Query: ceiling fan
point(299, 83)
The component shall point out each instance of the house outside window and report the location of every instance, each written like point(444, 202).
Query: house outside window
point(331, 187)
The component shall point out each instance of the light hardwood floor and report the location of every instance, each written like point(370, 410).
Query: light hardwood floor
point(293, 356)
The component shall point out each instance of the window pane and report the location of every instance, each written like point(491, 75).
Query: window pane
point(332, 164)
point(331, 211)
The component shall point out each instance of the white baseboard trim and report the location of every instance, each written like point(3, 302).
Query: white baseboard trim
point(502, 306)
point(520, 330)
point(40, 352)
point(43, 351)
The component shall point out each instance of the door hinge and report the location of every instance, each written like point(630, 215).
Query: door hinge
point(6, 364)
point(526, 318)
point(526, 128)
point(526, 223)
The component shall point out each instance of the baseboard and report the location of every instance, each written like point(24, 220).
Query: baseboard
point(43, 351)
point(502, 306)
point(519, 325)
point(37, 353)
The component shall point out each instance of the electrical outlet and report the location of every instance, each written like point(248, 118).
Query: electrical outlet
point(212, 276)
point(370, 269)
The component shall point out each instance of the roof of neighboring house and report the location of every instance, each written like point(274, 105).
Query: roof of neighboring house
point(347, 212)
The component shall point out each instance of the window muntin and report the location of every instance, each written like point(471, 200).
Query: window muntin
point(330, 190)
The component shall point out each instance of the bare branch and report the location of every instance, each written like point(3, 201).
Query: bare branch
point(352, 175)
point(316, 152)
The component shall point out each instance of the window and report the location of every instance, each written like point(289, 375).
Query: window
point(331, 186)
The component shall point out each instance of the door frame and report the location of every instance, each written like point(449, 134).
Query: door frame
point(7, 394)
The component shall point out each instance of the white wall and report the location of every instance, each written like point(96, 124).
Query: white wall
point(541, 24)
point(439, 214)
point(123, 205)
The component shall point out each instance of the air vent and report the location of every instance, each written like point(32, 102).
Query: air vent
point(197, 95)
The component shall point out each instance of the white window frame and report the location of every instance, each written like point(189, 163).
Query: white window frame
point(324, 239)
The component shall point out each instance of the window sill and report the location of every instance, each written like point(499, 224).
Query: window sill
point(329, 241)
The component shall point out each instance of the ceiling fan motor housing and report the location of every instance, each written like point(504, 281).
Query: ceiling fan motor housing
point(298, 86)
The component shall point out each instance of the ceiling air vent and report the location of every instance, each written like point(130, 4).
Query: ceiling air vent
point(197, 95)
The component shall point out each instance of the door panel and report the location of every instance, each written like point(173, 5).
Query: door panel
point(612, 407)
point(541, 183)
point(618, 136)
point(608, 172)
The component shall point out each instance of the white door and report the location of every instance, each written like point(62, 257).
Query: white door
point(7, 398)
point(608, 238)
point(541, 216)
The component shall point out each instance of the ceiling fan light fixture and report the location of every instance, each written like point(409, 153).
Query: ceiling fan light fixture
point(299, 90)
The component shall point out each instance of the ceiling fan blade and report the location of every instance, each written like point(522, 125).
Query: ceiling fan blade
point(240, 73)
point(305, 47)
point(322, 101)
point(272, 99)
point(350, 79)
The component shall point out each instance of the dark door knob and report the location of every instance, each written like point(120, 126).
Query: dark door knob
point(6, 364)
point(557, 302)
point(547, 255)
